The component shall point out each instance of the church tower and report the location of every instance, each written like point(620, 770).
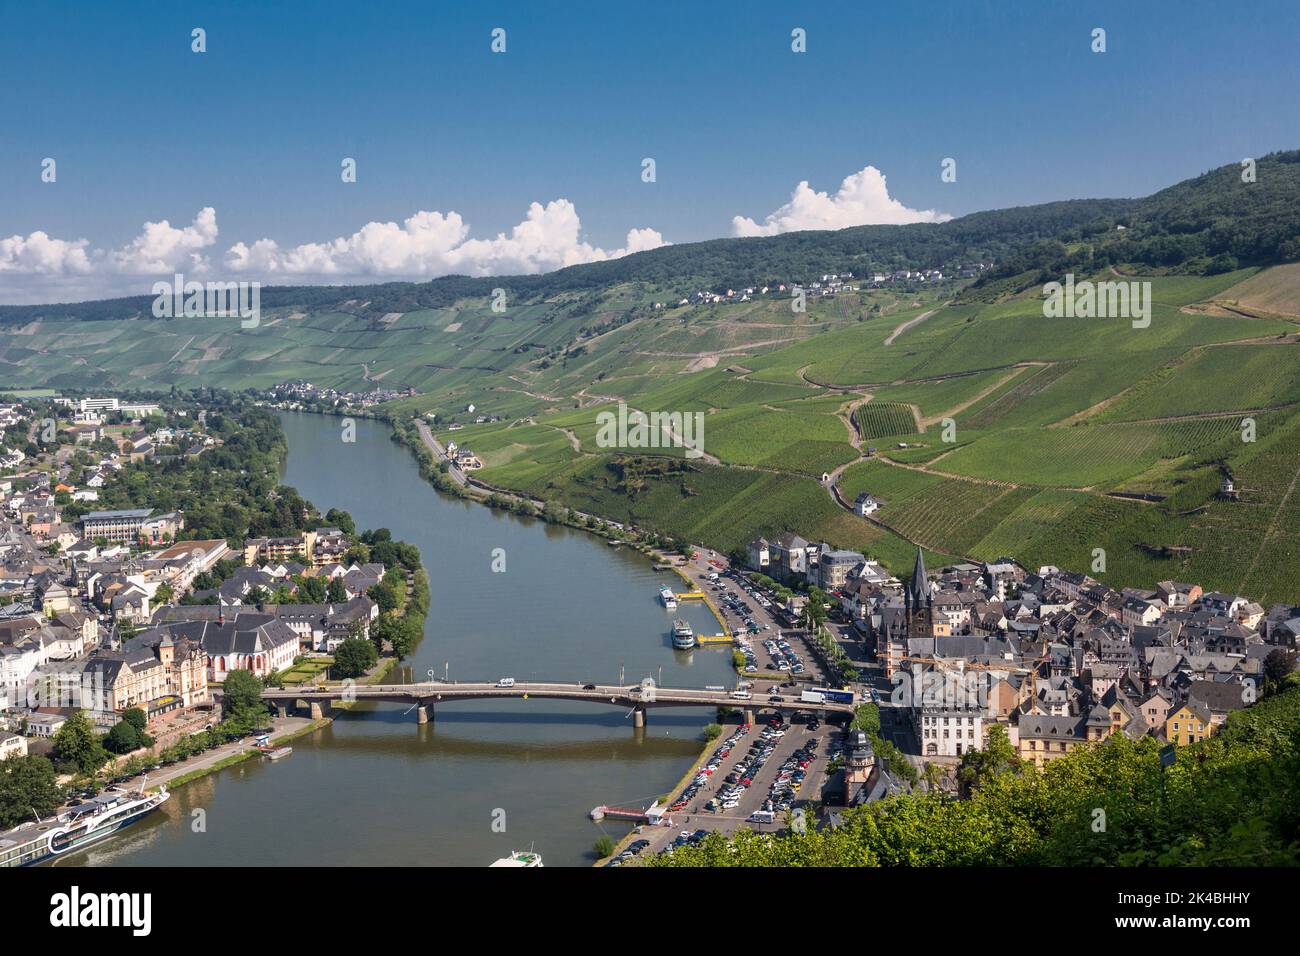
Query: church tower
point(916, 598)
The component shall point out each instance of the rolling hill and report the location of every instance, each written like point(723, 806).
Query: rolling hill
point(996, 431)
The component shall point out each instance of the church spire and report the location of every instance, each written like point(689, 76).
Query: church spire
point(917, 589)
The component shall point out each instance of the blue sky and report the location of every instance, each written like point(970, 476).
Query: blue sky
point(144, 130)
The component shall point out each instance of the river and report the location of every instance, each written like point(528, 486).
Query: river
point(485, 777)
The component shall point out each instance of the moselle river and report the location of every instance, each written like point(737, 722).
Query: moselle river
point(377, 788)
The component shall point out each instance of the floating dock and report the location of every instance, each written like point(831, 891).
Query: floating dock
point(713, 638)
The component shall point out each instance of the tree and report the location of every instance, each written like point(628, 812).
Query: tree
point(310, 590)
point(354, 657)
point(335, 592)
point(1278, 666)
point(76, 745)
point(242, 699)
point(27, 786)
point(342, 520)
point(122, 739)
point(604, 847)
point(867, 719)
point(384, 597)
point(978, 767)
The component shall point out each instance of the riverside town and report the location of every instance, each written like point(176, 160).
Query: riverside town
point(499, 461)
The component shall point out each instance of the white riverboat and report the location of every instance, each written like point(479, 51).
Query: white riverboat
point(78, 826)
point(683, 635)
point(519, 858)
point(670, 600)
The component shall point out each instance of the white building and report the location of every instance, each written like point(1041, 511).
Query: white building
point(865, 504)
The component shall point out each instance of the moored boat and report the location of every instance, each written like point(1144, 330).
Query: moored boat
point(683, 635)
point(78, 826)
point(520, 858)
point(670, 600)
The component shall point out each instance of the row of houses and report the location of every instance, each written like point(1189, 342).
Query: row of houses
point(1061, 660)
point(1057, 658)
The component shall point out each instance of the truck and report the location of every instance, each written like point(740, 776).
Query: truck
point(839, 696)
point(813, 697)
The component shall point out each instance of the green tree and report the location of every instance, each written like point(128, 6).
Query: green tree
point(77, 746)
point(354, 657)
point(27, 786)
point(338, 518)
point(122, 738)
point(137, 718)
point(604, 847)
point(242, 699)
point(979, 766)
point(867, 719)
point(311, 590)
point(335, 592)
point(383, 595)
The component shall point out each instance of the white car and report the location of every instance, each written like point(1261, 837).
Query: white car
point(506, 682)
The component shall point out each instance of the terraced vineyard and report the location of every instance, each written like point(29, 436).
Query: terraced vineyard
point(883, 419)
point(1052, 416)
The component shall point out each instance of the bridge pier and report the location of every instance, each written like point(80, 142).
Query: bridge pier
point(423, 713)
point(319, 709)
point(750, 715)
point(281, 711)
point(638, 717)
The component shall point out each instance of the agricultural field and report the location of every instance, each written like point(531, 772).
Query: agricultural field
point(1210, 380)
point(882, 419)
point(1052, 416)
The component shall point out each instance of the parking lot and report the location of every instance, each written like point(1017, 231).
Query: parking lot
point(769, 768)
point(767, 643)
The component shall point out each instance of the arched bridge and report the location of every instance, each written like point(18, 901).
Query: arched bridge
point(426, 695)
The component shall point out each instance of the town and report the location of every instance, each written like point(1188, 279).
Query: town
point(120, 631)
point(120, 623)
point(834, 283)
point(977, 658)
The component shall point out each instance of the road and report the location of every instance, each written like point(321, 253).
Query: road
point(440, 453)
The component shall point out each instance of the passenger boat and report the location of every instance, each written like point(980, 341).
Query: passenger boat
point(683, 635)
point(670, 600)
point(520, 858)
point(77, 827)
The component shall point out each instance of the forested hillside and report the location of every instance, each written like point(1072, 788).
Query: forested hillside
point(1204, 225)
point(1214, 223)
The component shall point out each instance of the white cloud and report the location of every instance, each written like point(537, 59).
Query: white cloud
point(863, 199)
point(427, 244)
point(163, 248)
point(40, 255)
point(434, 243)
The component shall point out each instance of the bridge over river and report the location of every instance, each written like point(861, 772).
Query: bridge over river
point(638, 698)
